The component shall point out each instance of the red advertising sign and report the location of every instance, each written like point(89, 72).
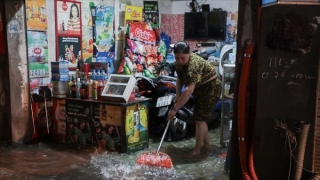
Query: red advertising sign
point(137, 32)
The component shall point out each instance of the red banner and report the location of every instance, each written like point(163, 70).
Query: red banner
point(139, 33)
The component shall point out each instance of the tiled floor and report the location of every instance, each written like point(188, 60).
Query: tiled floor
point(42, 161)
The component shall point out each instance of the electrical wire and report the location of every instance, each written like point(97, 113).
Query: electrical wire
point(291, 139)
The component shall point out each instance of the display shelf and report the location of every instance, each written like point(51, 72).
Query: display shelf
point(83, 122)
point(227, 78)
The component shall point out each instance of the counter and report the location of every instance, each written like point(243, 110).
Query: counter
point(114, 126)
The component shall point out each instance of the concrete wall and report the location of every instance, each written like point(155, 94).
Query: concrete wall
point(18, 71)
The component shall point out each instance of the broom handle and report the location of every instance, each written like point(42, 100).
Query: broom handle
point(165, 131)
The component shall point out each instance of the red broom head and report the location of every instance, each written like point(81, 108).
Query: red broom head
point(155, 159)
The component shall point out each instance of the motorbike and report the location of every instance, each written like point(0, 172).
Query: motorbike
point(161, 91)
point(203, 52)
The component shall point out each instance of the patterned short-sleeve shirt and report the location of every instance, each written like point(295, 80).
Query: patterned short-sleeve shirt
point(196, 71)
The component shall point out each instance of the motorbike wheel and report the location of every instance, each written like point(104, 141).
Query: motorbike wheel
point(178, 129)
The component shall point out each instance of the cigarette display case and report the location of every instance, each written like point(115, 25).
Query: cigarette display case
point(118, 88)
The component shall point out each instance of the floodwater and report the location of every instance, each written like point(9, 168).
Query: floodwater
point(49, 161)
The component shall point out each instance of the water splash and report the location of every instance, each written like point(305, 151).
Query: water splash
point(112, 166)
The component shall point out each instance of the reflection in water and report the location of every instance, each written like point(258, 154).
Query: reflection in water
point(23, 161)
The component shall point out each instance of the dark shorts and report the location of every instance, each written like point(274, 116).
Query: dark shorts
point(206, 97)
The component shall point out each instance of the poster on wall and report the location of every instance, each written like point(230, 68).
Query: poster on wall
point(2, 41)
point(151, 13)
point(68, 17)
point(136, 127)
point(68, 32)
point(133, 13)
point(231, 29)
point(87, 31)
point(93, 15)
point(104, 29)
point(36, 82)
point(69, 49)
point(36, 15)
point(37, 54)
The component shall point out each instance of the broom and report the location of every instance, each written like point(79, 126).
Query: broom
point(156, 158)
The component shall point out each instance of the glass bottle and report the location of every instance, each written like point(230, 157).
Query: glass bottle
point(74, 89)
point(70, 87)
point(78, 85)
point(90, 88)
point(100, 89)
point(84, 92)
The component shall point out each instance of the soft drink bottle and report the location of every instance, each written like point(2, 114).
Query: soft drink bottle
point(100, 89)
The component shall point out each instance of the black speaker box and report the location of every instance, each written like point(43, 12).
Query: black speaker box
point(205, 7)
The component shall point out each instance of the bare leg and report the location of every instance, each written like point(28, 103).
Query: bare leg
point(201, 133)
point(206, 142)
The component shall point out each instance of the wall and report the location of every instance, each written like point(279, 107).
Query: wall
point(165, 6)
point(180, 7)
point(173, 23)
point(18, 71)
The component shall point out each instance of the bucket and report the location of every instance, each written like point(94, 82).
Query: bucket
point(59, 89)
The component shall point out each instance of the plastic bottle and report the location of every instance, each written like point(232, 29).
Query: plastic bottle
point(98, 75)
point(78, 85)
point(94, 75)
point(103, 75)
point(108, 71)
